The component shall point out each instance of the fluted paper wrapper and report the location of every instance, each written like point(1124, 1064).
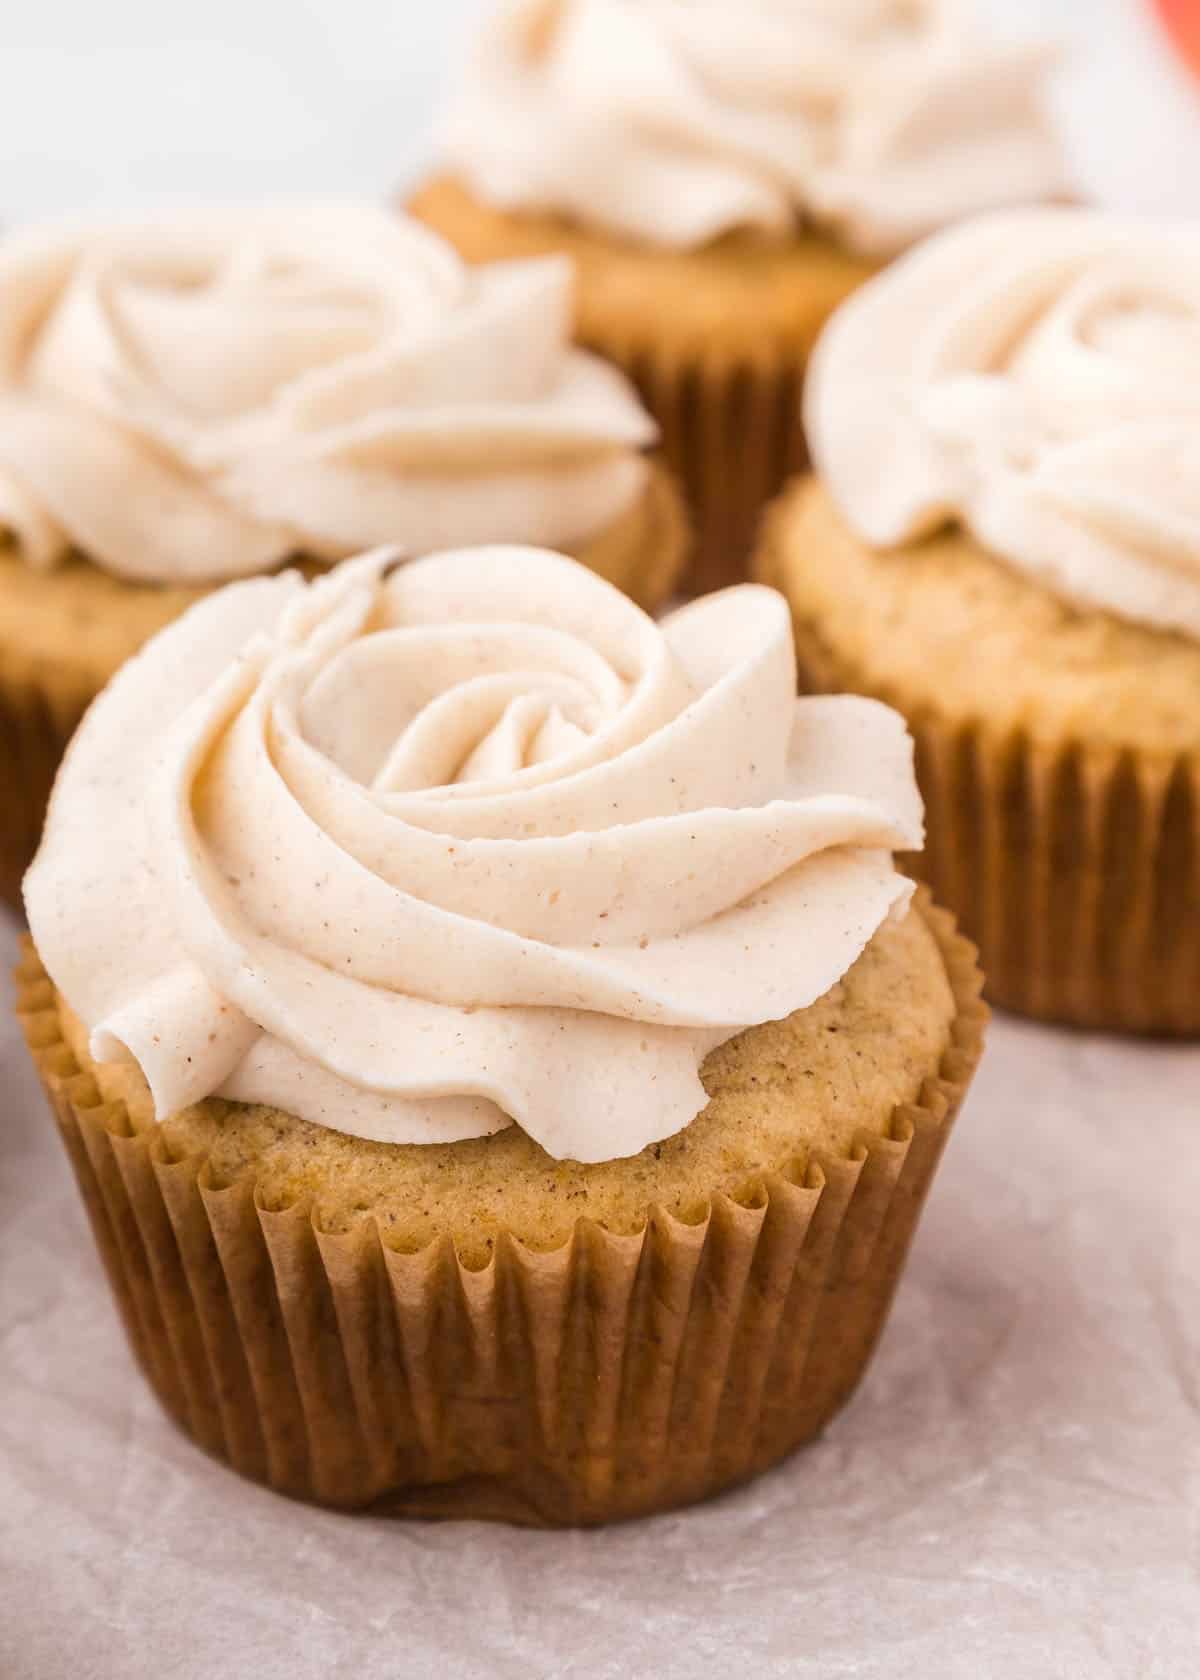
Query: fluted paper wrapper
point(1077, 870)
point(732, 434)
point(614, 1376)
point(1074, 868)
point(40, 709)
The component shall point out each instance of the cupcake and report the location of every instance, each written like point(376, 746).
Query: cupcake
point(500, 1058)
point(723, 189)
point(206, 395)
point(1003, 541)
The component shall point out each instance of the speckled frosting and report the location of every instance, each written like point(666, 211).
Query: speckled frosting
point(462, 843)
point(1034, 376)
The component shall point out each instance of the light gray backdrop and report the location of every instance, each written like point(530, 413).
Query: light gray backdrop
point(131, 101)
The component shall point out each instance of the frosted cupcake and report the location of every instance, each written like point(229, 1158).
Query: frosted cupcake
point(498, 1052)
point(1004, 542)
point(207, 395)
point(722, 188)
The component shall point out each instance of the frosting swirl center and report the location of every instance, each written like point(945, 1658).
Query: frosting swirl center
point(463, 843)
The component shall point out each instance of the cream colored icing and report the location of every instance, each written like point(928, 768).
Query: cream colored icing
point(461, 843)
point(200, 396)
point(674, 121)
point(1035, 375)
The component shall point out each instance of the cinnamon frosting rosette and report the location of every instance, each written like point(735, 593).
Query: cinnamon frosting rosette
point(661, 122)
point(462, 843)
point(1035, 376)
point(197, 397)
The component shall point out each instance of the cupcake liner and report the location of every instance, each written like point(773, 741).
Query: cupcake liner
point(1074, 868)
point(40, 709)
point(732, 434)
point(1077, 869)
point(614, 1376)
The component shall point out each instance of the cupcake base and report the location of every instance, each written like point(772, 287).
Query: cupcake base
point(613, 1376)
point(1070, 856)
point(64, 633)
point(716, 341)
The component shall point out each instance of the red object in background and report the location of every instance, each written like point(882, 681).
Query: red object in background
point(1182, 18)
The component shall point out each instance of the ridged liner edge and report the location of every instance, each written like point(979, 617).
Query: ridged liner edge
point(614, 1376)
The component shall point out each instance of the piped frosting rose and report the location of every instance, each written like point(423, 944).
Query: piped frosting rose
point(463, 843)
point(674, 121)
point(1035, 375)
point(201, 396)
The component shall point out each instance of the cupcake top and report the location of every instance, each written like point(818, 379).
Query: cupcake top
point(657, 121)
point(462, 843)
point(1034, 376)
point(200, 396)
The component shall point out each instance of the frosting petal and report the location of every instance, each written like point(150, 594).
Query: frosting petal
point(654, 119)
point(462, 843)
point(309, 380)
point(1037, 376)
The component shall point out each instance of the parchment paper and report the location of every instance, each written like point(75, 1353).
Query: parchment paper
point(1014, 1492)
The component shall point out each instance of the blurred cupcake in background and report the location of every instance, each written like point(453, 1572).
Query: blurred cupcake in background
point(1003, 541)
point(205, 395)
point(723, 182)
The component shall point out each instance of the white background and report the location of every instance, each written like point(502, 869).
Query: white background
point(1013, 1493)
point(116, 102)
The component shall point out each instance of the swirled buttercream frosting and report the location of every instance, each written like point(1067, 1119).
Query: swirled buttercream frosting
point(199, 396)
point(1035, 376)
point(460, 844)
point(675, 121)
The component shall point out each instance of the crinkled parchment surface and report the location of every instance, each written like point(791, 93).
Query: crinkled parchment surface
point(1013, 1492)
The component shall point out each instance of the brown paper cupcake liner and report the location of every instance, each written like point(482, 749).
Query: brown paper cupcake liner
point(40, 710)
point(1077, 870)
point(614, 1376)
point(1074, 868)
point(731, 433)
